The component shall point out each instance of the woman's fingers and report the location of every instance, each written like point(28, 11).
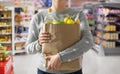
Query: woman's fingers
point(44, 38)
point(45, 34)
point(54, 62)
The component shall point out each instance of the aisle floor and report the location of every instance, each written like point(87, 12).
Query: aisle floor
point(24, 64)
point(92, 64)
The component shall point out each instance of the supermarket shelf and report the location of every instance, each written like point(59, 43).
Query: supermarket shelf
point(6, 42)
point(20, 41)
point(110, 14)
point(104, 31)
point(23, 2)
point(19, 51)
point(104, 23)
point(21, 37)
point(5, 25)
point(5, 17)
point(118, 23)
point(106, 51)
point(118, 41)
point(5, 33)
point(113, 10)
point(99, 49)
point(102, 38)
point(107, 5)
point(112, 51)
point(118, 32)
point(26, 26)
point(4, 10)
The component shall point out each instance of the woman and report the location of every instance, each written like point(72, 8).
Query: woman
point(35, 41)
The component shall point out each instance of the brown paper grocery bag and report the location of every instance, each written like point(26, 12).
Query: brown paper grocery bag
point(62, 37)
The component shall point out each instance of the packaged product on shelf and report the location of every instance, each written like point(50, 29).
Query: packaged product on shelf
point(110, 28)
point(4, 53)
point(18, 18)
point(97, 40)
point(1, 56)
point(110, 19)
point(2, 7)
point(99, 33)
point(111, 36)
point(109, 44)
point(100, 27)
point(8, 30)
point(19, 29)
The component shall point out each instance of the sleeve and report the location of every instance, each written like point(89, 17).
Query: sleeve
point(32, 45)
point(81, 46)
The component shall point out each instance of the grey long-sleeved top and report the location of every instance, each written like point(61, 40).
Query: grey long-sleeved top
point(68, 54)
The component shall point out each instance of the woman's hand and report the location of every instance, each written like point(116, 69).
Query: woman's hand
point(44, 37)
point(54, 62)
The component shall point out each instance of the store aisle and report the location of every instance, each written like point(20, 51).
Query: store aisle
point(95, 64)
point(24, 64)
point(92, 64)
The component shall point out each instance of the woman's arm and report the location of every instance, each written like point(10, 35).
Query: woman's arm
point(32, 45)
point(81, 46)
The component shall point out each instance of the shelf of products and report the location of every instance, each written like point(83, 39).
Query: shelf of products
point(24, 10)
point(6, 37)
point(7, 25)
point(107, 28)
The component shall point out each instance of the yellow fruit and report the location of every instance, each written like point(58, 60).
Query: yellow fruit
point(49, 10)
point(66, 19)
point(70, 21)
point(77, 21)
